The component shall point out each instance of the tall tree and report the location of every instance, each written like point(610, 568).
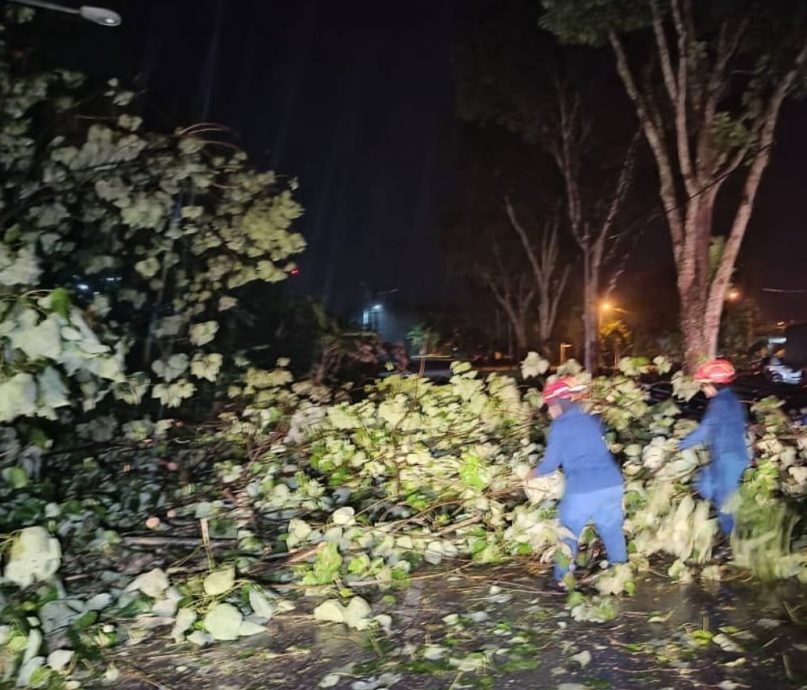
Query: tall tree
point(546, 96)
point(506, 235)
point(550, 273)
point(152, 235)
point(567, 136)
point(707, 86)
point(514, 291)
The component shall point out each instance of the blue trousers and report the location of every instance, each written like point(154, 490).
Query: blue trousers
point(717, 483)
point(603, 507)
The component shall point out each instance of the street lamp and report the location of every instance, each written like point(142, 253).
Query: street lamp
point(606, 306)
point(733, 295)
point(96, 15)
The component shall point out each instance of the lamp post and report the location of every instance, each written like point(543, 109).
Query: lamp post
point(96, 15)
point(605, 308)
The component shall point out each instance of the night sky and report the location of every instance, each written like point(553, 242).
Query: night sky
point(355, 99)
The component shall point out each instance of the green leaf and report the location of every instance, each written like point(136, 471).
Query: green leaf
point(343, 516)
point(326, 566)
point(534, 365)
point(37, 339)
point(583, 658)
point(249, 628)
point(85, 620)
point(223, 622)
point(172, 395)
point(207, 366)
point(203, 333)
point(21, 270)
point(60, 302)
point(34, 555)
point(16, 477)
point(59, 659)
point(185, 618)
point(153, 583)
point(355, 615)
point(219, 582)
point(330, 611)
point(261, 604)
point(472, 471)
point(171, 368)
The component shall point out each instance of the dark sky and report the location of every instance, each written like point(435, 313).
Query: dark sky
point(355, 98)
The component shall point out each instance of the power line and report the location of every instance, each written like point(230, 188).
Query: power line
point(645, 218)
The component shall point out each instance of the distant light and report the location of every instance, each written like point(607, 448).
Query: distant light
point(733, 295)
point(377, 307)
point(83, 286)
point(606, 306)
point(294, 271)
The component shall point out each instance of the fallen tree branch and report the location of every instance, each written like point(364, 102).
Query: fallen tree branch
point(175, 541)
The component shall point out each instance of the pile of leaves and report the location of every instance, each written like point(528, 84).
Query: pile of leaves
point(122, 253)
point(299, 491)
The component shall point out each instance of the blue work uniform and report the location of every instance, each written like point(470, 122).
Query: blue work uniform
point(723, 431)
point(593, 483)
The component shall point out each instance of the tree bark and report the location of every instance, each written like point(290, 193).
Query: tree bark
point(591, 312)
point(520, 332)
point(693, 167)
point(592, 229)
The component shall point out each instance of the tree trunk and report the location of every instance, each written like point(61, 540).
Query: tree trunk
point(696, 87)
point(694, 280)
point(591, 274)
point(520, 331)
point(697, 344)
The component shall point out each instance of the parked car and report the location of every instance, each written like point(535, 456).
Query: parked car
point(780, 372)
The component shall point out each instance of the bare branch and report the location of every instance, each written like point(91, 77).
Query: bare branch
point(723, 276)
point(568, 161)
point(727, 45)
point(558, 290)
point(656, 142)
point(681, 129)
point(522, 234)
point(510, 290)
point(667, 71)
point(621, 190)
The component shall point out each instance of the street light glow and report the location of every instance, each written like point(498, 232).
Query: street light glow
point(606, 306)
point(733, 295)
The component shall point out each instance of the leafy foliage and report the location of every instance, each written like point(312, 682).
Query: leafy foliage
point(589, 21)
point(289, 482)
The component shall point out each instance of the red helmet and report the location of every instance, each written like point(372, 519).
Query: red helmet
point(715, 371)
point(563, 388)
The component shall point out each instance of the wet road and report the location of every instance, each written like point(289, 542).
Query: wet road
point(497, 628)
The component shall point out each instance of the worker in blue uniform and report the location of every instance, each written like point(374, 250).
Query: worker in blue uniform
point(593, 483)
point(723, 431)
